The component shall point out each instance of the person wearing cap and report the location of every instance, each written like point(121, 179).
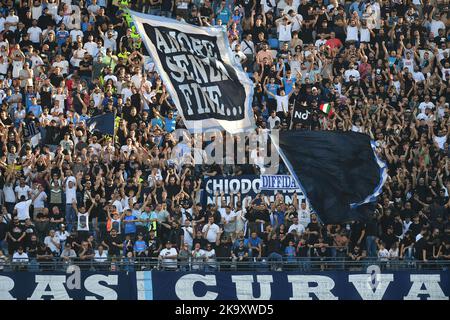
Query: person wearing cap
point(20, 258)
point(168, 257)
point(240, 255)
point(68, 254)
point(62, 234)
point(140, 247)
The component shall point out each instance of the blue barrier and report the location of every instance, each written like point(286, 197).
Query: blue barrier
point(159, 285)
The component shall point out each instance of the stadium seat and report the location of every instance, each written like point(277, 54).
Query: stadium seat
point(273, 43)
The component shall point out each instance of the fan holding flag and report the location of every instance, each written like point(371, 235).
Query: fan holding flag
point(327, 108)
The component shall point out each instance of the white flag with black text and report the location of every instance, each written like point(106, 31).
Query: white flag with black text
point(197, 66)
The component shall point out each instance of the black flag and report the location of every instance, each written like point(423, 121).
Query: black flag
point(339, 171)
point(103, 123)
point(302, 115)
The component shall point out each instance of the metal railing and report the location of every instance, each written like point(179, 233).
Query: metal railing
point(307, 264)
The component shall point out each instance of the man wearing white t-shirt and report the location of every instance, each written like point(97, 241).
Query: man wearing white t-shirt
point(39, 198)
point(75, 33)
point(71, 197)
point(273, 120)
point(2, 23)
point(90, 46)
point(20, 256)
point(304, 214)
point(35, 33)
point(210, 231)
point(297, 20)
point(168, 256)
point(435, 25)
point(418, 75)
point(228, 220)
point(352, 72)
point(93, 7)
point(284, 28)
point(282, 102)
point(62, 64)
point(22, 190)
point(11, 21)
point(9, 196)
point(426, 104)
point(300, 228)
point(440, 139)
point(22, 208)
point(352, 31)
point(188, 233)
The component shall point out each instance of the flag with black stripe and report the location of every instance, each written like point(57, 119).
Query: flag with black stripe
point(103, 124)
point(339, 172)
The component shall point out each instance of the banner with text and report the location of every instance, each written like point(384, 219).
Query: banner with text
point(302, 115)
point(159, 285)
point(196, 65)
point(78, 285)
point(248, 186)
point(338, 285)
point(278, 182)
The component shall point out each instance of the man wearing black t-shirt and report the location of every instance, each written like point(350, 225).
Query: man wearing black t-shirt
point(99, 216)
point(42, 223)
point(73, 240)
point(44, 256)
point(421, 248)
point(56, 77)
point(371, 235)
point(274, 251)
point(85, 70)
point(15, 236)
point(223, 250)
point(389, 238)
point(43, 253)
point(113, 243)
point(258, 217)
point(199, 239)
point(416, 226)
point(406, 246)
point(386, 220)
point(313, 230)
point(240, 255)
point(154, 245)
point(358, 234)
point(31, 247)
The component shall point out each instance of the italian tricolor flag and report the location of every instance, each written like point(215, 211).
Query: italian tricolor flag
point(326, 108)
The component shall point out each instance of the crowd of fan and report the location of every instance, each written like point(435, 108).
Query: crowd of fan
point(74, 195)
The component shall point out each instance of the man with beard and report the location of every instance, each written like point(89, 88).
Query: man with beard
point(224, 247)
point(15, 236)
point(258, 216)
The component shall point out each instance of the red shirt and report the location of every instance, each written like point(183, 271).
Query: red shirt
point(364, 70)
point(333, 43)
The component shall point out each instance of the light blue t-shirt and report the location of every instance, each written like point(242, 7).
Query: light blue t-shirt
point(140, 246)
point(130, 227)
point(36, 109)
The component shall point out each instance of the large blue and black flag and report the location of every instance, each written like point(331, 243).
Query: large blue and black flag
point(103, 123)
point(339, 172)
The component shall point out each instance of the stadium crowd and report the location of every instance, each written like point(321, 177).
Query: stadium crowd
point(76, 195)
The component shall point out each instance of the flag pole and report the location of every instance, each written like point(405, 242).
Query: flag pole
point(115, 128)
